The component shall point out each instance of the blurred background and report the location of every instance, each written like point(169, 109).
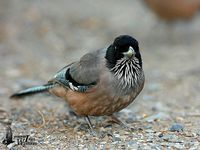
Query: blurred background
point(39, 37)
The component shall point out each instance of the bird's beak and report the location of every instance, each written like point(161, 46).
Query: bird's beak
point(130, 52)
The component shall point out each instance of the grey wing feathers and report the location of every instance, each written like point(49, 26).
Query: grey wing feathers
point(80, 76)
point(87, 70)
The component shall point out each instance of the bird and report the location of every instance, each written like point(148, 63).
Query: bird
point(101, 83)
point(172, 10)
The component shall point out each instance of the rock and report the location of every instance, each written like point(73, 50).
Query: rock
point(116, 139)
point(160, 135)
point(176, 127)
point(150, 131)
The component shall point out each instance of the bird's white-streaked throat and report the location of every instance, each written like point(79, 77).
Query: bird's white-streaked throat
point(127, 72)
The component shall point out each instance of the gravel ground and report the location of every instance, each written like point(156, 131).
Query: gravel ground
point(37, 38)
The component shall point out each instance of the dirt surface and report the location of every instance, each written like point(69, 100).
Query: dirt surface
point(37, 38)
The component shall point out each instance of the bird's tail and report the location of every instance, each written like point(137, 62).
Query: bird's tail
point(33, 90)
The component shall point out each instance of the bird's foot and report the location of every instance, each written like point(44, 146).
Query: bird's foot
point(114, 119)
point(92, 132)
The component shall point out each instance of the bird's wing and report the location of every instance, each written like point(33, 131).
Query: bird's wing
point(82, 75)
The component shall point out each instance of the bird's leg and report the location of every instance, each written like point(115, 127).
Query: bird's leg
point(87, 119)
point(119, 122)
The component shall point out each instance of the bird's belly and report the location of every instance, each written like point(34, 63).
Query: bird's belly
point(92, 103)
point(96, 103)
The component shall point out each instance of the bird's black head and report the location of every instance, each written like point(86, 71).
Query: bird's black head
point(124, 46)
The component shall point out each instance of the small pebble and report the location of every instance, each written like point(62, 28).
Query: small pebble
point(115, 139)
point(148, 127)
point(150, 131)
point(41, 141)
point(160, 135)
point(176, 127)
point(178, 146)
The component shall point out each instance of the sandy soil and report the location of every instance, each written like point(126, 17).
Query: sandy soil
point(37, 38)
